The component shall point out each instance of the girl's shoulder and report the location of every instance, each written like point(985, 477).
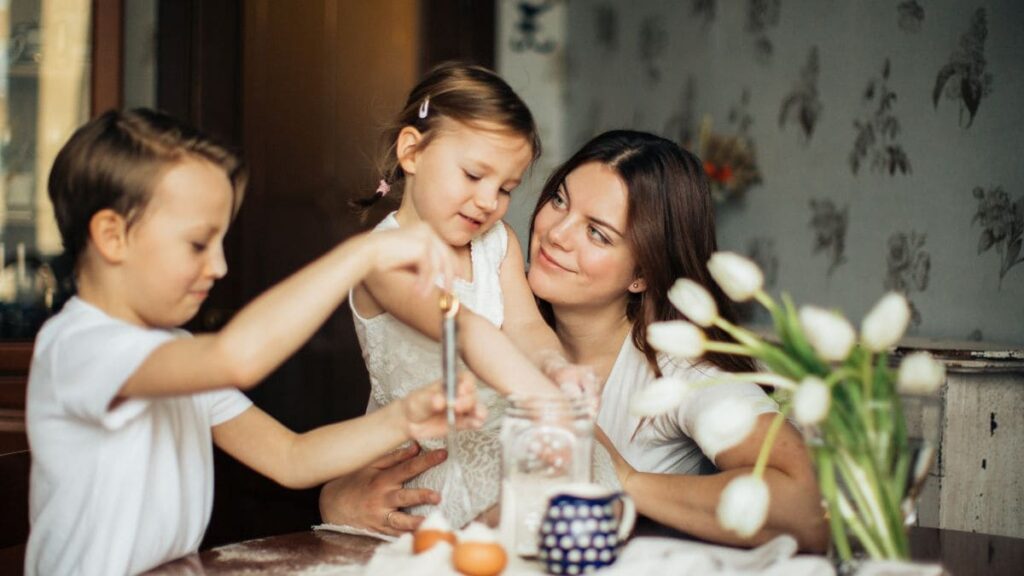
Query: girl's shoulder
point(494, 242)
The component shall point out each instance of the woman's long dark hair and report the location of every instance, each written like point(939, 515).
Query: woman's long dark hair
point(670, 229)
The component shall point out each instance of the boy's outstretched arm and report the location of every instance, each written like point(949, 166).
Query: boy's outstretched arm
point(274, 325)
point(304, 460)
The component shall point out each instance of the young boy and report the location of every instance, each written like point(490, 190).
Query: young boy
point(122, 406)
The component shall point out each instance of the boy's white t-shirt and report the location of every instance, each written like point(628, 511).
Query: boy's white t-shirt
point(669, 443)
point(114, 490)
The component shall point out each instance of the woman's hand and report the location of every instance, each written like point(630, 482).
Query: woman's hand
point(371, 498)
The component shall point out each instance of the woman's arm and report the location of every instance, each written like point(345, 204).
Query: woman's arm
point(305, 460)
point(688, 502)
point(274, 325)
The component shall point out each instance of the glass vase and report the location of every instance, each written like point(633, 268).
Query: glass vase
point(873, 457)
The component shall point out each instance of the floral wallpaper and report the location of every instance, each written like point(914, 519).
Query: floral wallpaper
point(888, 137)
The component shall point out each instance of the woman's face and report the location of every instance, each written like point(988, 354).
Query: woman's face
point(578, 252)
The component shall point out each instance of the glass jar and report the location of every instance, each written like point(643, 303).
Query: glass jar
point(546, 442)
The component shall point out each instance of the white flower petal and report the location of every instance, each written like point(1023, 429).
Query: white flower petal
point(811, 401)
point(885, 324)
point(695, 301)
point(739, 277)
point(743, 506)
point(658, 397)
point(723, 425)
point(829, 333)
point(677, 338)
point(920, 374)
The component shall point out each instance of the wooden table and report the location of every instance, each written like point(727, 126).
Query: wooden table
point(962, 553)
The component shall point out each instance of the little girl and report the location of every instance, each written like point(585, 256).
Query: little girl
point(457, 150)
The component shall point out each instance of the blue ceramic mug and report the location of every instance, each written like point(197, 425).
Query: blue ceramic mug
point(581, 530)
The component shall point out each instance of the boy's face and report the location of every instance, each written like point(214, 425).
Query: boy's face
point(175, 252)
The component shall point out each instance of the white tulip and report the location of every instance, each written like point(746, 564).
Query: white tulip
point(743, 506)
point(811, 401)
point(677, 338)
point(920, 374)
point(723, 425)
point(695, 301)
point(658, 397)
point(739, 277)
point(829, 333)
point(885, 324)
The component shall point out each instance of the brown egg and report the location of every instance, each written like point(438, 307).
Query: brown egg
point(479, 558)
point(424, 540)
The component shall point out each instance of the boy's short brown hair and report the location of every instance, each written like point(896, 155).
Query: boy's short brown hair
point(115, 162)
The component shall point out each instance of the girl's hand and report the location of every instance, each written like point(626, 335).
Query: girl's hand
point(572, 379)
point(425, 412)
point(417, 248)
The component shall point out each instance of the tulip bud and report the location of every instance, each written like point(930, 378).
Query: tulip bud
point(658, 397)
point(677, 338)
point(694, 301)
point(811, 401)
point(886, 322)
point(920, 374)
point(829, 333)
point(739, 277)
point(743, 506)
point(723, 425)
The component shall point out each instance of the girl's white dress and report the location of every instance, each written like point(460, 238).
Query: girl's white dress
point(401, 359)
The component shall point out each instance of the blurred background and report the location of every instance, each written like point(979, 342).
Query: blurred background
point(854, 147)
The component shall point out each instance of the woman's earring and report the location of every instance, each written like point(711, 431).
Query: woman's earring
point(635, 285)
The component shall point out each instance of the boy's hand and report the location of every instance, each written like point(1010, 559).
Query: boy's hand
point(417, 248)
point(425, 412)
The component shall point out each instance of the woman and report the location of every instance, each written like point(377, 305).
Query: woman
point(613, 229)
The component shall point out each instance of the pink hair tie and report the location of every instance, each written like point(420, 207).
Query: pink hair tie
point(383, 188)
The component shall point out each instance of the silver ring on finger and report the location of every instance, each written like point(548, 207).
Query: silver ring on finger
point(387, 519)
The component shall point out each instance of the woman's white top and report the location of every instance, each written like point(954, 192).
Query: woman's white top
point(669, 443)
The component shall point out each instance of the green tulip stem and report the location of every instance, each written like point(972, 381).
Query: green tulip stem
point(765, 300)
point(769, 441)
point(728, 348)
point(741, 335)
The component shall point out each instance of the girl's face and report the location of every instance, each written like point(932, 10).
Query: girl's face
point(461, 180)
point(578, 252)
point(174, 253)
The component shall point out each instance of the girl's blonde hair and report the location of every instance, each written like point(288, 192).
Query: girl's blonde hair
point(465, 93)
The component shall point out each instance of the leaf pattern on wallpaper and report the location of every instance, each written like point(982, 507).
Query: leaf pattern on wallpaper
point(681, 125)
point(761, 249)
point(876, 134)
point(606, 27)
point(653, 40)
point(829, 226)
point(526, 36)
point(705, 10)
point(908, 266)
point(802, 103)
point(964, 78)
point(1002, 223)
point(739, 116)
point(911, 16)
point(762, 18)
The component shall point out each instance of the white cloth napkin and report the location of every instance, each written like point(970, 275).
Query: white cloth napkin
point(641, 557)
